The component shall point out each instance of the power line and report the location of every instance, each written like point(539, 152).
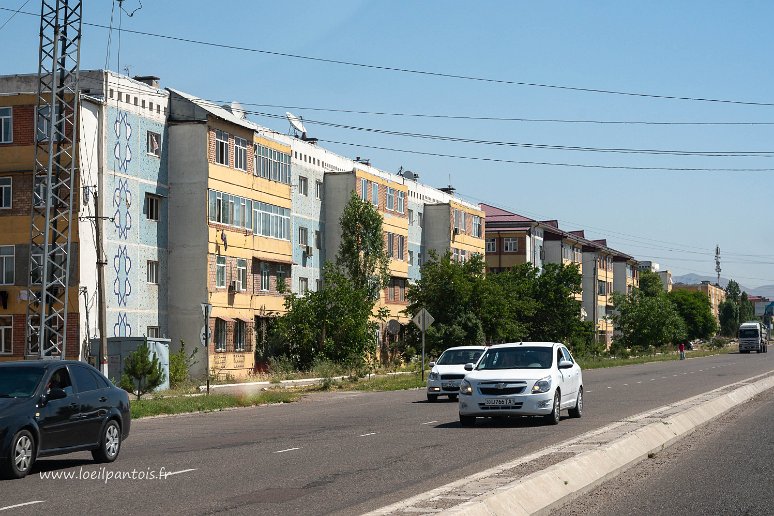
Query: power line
point(17, 11)
point(427, 73)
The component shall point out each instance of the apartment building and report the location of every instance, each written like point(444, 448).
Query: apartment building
point(626, 274)
point(512, 239)
point(598, 280)
point(231, 245)
point(714, 292)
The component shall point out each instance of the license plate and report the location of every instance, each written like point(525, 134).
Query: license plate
point(451, 386)
point(498, 401)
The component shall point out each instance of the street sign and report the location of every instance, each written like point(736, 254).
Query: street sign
point(206, 309)
point(423, 319)
point(204, 338)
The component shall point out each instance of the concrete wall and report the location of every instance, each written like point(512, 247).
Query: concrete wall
point(437, 228)
point(338, 189)
point(188, 242)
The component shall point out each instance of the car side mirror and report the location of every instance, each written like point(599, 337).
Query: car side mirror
point(565, 364)
point(469, 366)
point(56, 394)
point(432, 365)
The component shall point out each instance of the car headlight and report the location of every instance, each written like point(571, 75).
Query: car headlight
point(434, 375)
point(542, 385)
point(465, 387)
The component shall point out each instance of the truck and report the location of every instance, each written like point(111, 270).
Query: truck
point(753, 336)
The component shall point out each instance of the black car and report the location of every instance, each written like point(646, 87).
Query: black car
point(52, 407)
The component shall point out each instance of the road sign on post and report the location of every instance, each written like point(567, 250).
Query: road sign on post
point(206, 309)
point(423, 320)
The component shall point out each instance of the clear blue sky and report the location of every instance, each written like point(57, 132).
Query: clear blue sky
point(710, 49)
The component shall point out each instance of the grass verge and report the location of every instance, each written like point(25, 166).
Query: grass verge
point(214, 402)
point(602, 362)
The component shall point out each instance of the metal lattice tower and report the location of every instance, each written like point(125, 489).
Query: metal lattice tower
point(55, 169)
point(717, 262)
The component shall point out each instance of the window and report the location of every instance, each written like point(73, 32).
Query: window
point(303, 185)
point(241, 279)
point(272, 164)
point(510, 245)
point(239, 335)
point(6, 334)
point(220, 335)
point(421, 219)
point(411, 217)
point(390, 198)
point(6, 189)
point(221, 147)
point(303, 236)
point(36, 272)
point(152, 203)
point(6, 125)
point(411, 257)
point(476, 226)
point(364, 189)
point(459, 221)
point(317, 240)
point(240, 153)
point(303, 286)
point(318, 284)
point(154, 143)
point(43, 127)
point(153, 332)
point(375, 194)
point(220, 272)
point(601, 288)
point(280, 276)
point(84, 380)
point(390, 244)
point(152, 274)
point(318, 189)
point(401, 245)
point(264, 276)
point(401, 202)
point(491, 245)
point(258, 217)
point(6, 265)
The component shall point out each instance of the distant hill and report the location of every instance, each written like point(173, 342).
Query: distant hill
point(691, 279)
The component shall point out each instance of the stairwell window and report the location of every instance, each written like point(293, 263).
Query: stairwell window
point(152, 273)
point(6, 329)
point(476, 226)
point(239, 335)
point(6, 265)
point(152, 203)
point(401, 202)
point(241, 279)
point(154, 144)
point(264, 276)
point(240, 153)
point(6, 125)
point(390, 198)
point(6, 190)
point(221, 147)
point(220, 335)
point(303, 185)
point(220, 272)
point(375, 194)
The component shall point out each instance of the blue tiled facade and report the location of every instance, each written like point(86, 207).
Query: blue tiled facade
point(307, 213)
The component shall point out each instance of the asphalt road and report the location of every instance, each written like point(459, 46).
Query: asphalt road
point(723, 468)
point(341, 453)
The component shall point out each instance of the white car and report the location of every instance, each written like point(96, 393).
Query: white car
point(447, 373)
point(522, 379)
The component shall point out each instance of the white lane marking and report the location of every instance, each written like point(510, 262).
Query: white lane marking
point(609, 387)
point(674, 375)
point(626, 385)
point(178, 472)
point(289, 449)
point(429, 422)
point(21, 505)
point(366, 435)
point(664, 377)
point(588, 391)
point(652, 379)
point(639, 382)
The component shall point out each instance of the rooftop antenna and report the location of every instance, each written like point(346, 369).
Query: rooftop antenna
point(717, 262)
point(297, 125)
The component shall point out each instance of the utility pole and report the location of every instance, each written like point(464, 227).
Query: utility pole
point(101, 262)
point(717, 262)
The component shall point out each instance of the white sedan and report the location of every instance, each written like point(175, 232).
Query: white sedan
point(522, 379)
point(447, 373)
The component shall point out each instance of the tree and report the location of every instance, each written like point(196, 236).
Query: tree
point(746, 309)
point(557, 315)
point(142, 371)
point(361, 252)
point(696, 311)
point(180, 364)
point(642, 321)
point(728, 312)
point(733, 291)
point(650, 283)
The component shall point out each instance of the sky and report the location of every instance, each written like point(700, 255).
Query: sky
point(520, 60)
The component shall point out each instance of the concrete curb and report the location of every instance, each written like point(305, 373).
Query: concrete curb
point(290, 383)
point(543, 491)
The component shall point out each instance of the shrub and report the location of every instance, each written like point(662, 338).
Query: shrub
point(142, 373)
point(180, 365)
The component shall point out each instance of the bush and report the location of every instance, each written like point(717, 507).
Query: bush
point(180, 365)
point(142, 373)
point(282, 367)
point(718, 342)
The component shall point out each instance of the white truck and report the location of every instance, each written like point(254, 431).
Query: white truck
point(753, 337)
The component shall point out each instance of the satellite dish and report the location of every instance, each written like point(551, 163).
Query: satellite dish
point(237, 109)
point(296, 122)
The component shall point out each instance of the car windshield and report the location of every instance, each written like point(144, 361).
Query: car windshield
point(748, 333)
point(525, 357)
point(19, 382)
point(459, 356)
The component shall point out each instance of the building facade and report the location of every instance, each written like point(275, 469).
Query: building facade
point(715, 293)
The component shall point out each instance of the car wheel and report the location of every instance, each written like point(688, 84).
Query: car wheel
point(453, 397)
point(578, 410)
point(20, 457)
point(553, 417)
point(467, 420)
point(432, 398)
point(109, 444)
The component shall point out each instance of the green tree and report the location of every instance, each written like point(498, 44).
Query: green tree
point(650, 283)
point(180, 363)
point(746, 309)
point(728, 312)
point(142, 371)
point(557, 315)
point(696, 310)
point(361, 252)
point(733, 291)
point(642, 321)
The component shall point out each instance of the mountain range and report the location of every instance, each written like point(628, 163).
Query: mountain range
point(763, 290)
